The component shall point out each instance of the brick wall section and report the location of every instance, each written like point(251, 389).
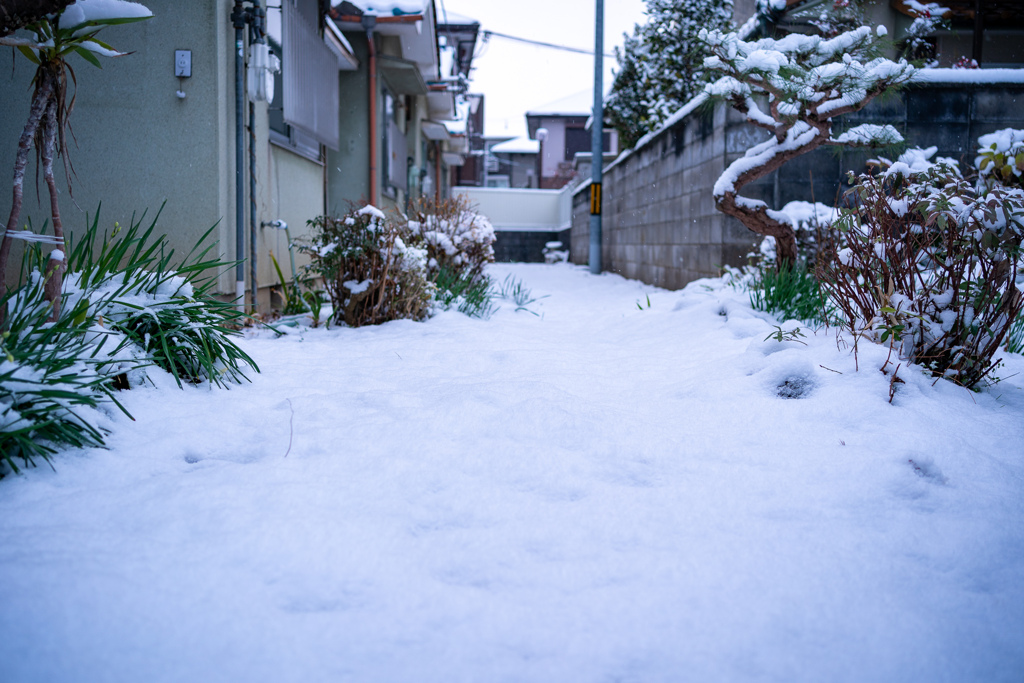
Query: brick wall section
point(660, 224)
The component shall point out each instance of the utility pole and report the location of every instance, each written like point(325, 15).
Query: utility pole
point(597, 143)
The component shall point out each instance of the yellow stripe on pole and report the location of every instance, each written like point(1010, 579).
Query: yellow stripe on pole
point(595, 199)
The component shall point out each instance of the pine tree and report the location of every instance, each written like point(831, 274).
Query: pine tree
point(661, 66)
point(627, 107)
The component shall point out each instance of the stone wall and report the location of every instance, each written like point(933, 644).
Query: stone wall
point(660, 224)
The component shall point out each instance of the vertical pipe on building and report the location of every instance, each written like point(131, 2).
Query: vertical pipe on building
point(596, 142)
point(238, 21)
point(369, 22)
point(437, 171)
point(257, 33)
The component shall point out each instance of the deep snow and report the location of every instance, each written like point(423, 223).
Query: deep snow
point(594, 493)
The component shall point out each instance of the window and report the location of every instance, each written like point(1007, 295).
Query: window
point(310, 74)
point(280, 132)
point(578, 140)
point(394, 167)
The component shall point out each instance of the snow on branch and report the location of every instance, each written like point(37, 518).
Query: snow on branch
point(869, 135)
point(806, 81)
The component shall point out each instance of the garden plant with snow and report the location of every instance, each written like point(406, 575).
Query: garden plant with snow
point(806, 81)
point(928, 263)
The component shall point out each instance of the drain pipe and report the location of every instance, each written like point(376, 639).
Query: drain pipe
point(369, 22)
point(257, 33)
point(238, 22)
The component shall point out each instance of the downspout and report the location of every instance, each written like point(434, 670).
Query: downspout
point(369, 22)
point(257, 33)
point(238, 22)
point(437, 171)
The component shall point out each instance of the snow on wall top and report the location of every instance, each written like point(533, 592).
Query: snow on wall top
point(520, 145)
point(390, 7)
point(937, 76)
point(968, 76)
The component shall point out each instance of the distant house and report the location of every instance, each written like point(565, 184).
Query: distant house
point(358, 114)
point(561, 129)
point(515, 163)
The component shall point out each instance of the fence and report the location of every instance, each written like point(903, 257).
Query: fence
point(660, 224)
point(524, 220)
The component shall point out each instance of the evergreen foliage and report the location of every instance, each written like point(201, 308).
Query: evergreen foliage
point(661, 65)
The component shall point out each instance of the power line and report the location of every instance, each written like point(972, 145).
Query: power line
point(488, 34)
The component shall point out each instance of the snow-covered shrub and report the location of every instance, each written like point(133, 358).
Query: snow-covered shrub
point(1000, 158)
point(929, 266)
point(454, 234)
point(371, 267)
point(806, 81)
point(52, 377)
point(929, 17)
point(165, 309)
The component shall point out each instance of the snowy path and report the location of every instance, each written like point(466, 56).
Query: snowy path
point(598, 494)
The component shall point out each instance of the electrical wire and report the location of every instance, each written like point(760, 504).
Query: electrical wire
point(553, 46)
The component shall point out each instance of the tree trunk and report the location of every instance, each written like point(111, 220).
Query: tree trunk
point(755, 215)
point(57, 262)
point(39, 100)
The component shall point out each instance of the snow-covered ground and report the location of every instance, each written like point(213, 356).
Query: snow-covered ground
point(595, 493)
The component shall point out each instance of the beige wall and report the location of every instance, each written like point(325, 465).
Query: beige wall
point(140, 145)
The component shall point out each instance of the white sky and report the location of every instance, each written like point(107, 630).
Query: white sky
point(515, 77)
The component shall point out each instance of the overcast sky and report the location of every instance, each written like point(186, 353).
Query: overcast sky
point(515, 77)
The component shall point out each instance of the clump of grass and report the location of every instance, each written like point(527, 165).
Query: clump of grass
point(789, 293)
point(464, 291)
point(1015, 337)
point(512, 289)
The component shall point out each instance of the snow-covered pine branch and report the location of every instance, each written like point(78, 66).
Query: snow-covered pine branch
point(805, 81)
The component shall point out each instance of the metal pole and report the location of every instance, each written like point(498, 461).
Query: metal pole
point(238, 21)
point(597, 143)
point(256, 36)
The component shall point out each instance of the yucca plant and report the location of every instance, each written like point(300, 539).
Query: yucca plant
point(53, 376)
point(163, 306)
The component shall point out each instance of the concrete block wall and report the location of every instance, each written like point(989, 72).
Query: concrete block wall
point(660, 224)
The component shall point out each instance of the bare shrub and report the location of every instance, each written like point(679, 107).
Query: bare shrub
point(928, 265)
point(456, 237)
point(371, 268)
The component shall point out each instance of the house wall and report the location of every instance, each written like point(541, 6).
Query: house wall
point(553, 148)
point(660, 224)
point(139, 145)
point(348, 178)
